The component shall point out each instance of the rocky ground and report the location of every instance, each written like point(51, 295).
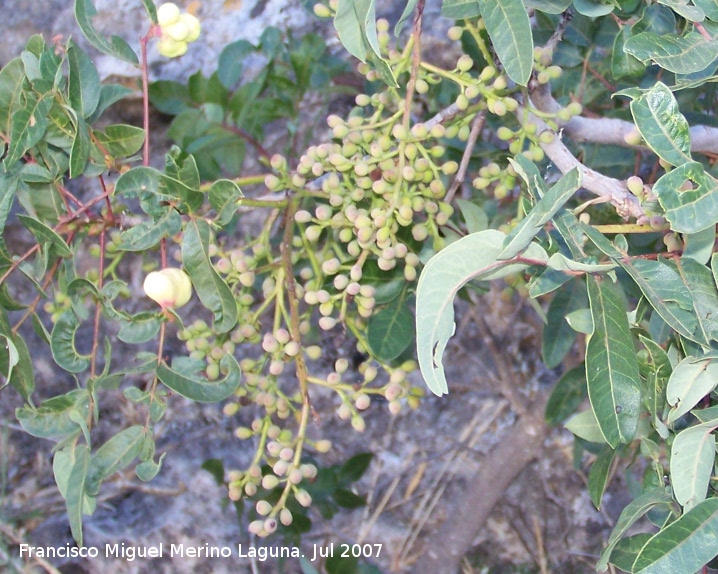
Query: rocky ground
point(424, 460)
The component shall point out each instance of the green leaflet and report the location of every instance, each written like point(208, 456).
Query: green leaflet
point(28, 126)
point(183, 379)
point(685, 545)
point(542, 212)
point(600, 472)
point(629, 515)
point(548, 6)
point(507, 23)
point(75, 496)
point(114, 46)
point(116, 454)
point(391, 330)
point(148, 234)
point(688, 210)
point(224, 196)
point(84, 86)
point(52, 418)
point(611, 367)
point(680, 54)
point(662, 125)
point(460, 9)
point(355, 22)
point(472, 257)
point(691, 380)
point(62, 344)
point(692, 457)
point(211, 289)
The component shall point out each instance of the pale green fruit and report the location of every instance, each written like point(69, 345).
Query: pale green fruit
point(167, 14)
point(177, 31)
point(193, 26)
point(170, 48)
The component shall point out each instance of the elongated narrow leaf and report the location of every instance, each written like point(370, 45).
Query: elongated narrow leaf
point(472, 257)
point(9, 357)
point(685, 545)
point(460, 9)
point(45, 235)
point(623, 64)
point(148, 234)
point(592, 9)
point(114, 455)
point(691, 380)
point(28, 126)
point(507, 23)
point(75, 493)
point(109, 94)
point(584, 425)
point(62, 344)
point(391, 330)
point(692, 456)
point(52, 418)
point(599, 475)
point(611, 367)
point(84, 84)
point(81, 148)
point(405, 15)
point(541, 213)
point(548, 6)
point(115, 46)
point(355, 22)
point(183, 379)
point(709, 8)
point(698, 281)
point(12, 76)
point(688, 11)
point(223, 197)
point(560, 262)
point(629, 515)
point(121, 140)
point(680, 54)
point(662, 125)
point(688, 210)
point(138, 181)
point(666, 292)
point(214, 293)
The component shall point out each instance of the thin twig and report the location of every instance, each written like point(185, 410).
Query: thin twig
point(476, 126)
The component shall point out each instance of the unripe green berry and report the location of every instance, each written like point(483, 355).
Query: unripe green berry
point(454, 33)
point(263, 507)
point(285, 516)
point(399, 132)
point(471, 91)
point(167, 14)
point(450, 167)
point(465, 63)
point(303, 498)
point(635, 185)
point(358, 423)
point(462, 102)
point(504, 133)
point(322, 11)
